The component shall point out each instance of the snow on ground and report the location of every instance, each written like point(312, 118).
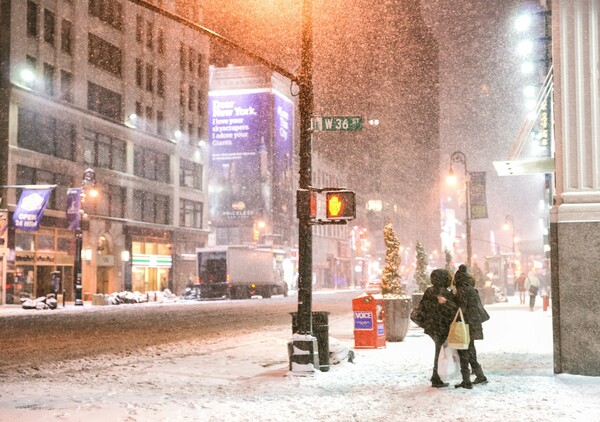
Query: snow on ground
point(246, 379)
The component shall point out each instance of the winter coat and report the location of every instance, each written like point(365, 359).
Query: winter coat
point(468, 299)
point(532, 280)
point(438, 317)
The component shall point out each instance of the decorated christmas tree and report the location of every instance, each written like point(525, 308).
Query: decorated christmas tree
point(390, 277)
point(421, 270)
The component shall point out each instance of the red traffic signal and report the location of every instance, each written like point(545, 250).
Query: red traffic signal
point(340, 205)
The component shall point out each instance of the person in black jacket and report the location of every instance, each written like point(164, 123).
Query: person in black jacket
point(438, 309)
point(474, 313)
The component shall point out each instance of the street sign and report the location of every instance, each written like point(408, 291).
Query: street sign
point(337, 123)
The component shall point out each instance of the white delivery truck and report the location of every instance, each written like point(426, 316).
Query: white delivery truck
point(238, 272)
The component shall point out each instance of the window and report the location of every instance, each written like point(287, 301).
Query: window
point(49, 72)
point(149, 78)
point(160, 83)
point(190, 174)
point(66, 37)
point(200, 102)
point(33, 176)
point(149, 119)
point(149, 35)
point(200, 65)
point(45, 134)
point(139, 28)
point(191, 56)
point(138, 72)
point(113, 201)
point(139, 111)
point(49, 25)
point(104, 55)
point(190, 97)
point(151, 165)
point(32, 19)
point(161, 41)
point(190, 213)
point(105, 102)
point(108, 11)
point(160, 123)
point(31, 62)
point(182, 56)
point(151, 208)
point(181, 94)
point(66, 86)
point(104, 151)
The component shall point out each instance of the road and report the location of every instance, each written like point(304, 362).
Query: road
point(37, 338)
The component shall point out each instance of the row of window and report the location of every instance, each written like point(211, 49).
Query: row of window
point(49, 27)
point(149, 26)
point(150, 207)
point(47, 135)
point(49, 80)
point(145, 119)
point(108, 11)
point(140, 66)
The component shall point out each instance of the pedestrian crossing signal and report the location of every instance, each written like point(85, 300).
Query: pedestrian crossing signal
point(340, 205)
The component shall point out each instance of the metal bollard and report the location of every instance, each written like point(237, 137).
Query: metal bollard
point(545, 302)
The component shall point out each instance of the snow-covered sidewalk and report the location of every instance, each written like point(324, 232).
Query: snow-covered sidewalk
point(246, 379)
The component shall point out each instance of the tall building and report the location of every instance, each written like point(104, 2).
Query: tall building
point(375, 59)
point(112, 86)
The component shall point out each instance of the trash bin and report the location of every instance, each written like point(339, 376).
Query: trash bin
point(320, 328)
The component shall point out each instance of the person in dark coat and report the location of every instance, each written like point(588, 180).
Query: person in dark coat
point(468, 299)
point(438, 308)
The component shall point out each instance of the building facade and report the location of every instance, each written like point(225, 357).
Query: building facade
point(575, 216)
point(112, 86)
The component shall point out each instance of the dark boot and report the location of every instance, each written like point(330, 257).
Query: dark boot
point(480, 377)
point(466, 382)
point(436, 381)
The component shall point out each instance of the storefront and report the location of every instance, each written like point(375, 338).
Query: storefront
point(151, 261)
point(37, 256)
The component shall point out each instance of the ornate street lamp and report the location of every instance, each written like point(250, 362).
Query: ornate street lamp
point(87, 184)
point(459, 157)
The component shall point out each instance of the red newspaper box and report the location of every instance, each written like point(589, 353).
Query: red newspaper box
point(369, 321)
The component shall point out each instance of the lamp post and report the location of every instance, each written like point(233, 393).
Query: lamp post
point(509, 223)
point(459, 157)
point(89, 181)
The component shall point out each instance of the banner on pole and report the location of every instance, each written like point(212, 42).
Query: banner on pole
point(30, 209)
point(477, 195)
point(73, 207)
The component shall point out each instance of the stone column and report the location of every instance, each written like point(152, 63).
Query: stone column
point(575, 216)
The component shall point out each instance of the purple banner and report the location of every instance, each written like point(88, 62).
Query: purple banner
point(30, 209)
point(283, 134)
point(239, 171)
point(73, 207)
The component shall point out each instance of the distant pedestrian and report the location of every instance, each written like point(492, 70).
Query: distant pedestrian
point(520, 283)
point(532, 284)
point(437, 308)
point(467, 298)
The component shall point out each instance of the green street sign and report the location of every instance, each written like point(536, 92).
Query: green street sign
point(337, 123)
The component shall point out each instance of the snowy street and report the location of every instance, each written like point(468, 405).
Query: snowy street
point(245, 378)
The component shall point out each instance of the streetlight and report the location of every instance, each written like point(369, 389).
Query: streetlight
point(459, 157)
point(509, 223)
point(89, 183)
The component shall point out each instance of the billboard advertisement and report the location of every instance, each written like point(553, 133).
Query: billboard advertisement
point(283, 134)
point(239, 170)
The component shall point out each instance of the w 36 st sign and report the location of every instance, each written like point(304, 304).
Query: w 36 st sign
point(337, 123)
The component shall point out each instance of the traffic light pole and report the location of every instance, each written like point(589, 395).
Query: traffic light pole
point(304, 226)
point(304, 82)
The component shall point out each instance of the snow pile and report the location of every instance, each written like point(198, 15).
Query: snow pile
point(246, 378)
point(41, 303)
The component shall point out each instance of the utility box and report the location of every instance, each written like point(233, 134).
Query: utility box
point(369, 321)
